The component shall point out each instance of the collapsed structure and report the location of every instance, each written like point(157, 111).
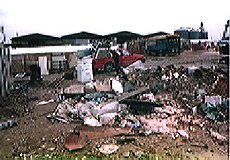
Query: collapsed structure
point(169, 100)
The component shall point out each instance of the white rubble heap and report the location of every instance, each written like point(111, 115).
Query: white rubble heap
point(167, 118)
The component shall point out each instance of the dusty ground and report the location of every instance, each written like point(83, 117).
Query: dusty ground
point(34, 134)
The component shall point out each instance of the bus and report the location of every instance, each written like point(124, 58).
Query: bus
point(163, 45)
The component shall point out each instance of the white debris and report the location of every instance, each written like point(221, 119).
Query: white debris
point(108, 149)
point(176, 75)
point(117, 86)
point(136, 65)
point(45, 102)
point(91, 121)
point(108, 118)
point(218, 136)
point(213, 100)
point(183, 133)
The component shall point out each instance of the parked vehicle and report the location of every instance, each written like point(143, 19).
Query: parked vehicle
point(126, 58)
point(104, 59)
point(163, 45)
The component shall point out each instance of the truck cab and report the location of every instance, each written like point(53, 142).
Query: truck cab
point(103, 59)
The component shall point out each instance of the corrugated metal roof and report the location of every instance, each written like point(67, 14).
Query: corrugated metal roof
point(35, 37)
point(82, 35)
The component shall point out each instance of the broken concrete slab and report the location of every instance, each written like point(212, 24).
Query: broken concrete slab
point(218, 136)
point(108, 118)
point(91, 121)
point(108, 148)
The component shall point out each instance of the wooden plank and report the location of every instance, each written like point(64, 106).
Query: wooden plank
point(133, 93)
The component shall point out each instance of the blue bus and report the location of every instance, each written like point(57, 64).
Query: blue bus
point(163, 45)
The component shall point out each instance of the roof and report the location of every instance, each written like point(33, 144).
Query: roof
point(155, 34)
point(82, 35)
point(123, 34)
point(35, 37)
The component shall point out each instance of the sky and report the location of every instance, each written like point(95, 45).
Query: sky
point(62, 17)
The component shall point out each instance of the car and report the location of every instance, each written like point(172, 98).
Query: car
point(126, 58)
point(103, 59)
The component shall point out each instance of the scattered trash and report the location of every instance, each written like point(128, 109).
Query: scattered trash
point(189, 150)
point(138, 153)
point(213, 100)
point(149, 102)
point(7, 124)
point(216, 110)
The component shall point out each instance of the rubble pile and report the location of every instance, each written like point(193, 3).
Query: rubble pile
point(172, 104)
point(16, 104)
point(180, 103)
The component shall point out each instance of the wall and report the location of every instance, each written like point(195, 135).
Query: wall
point(21, 63)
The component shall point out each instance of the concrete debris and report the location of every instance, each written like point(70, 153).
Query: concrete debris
point(183, 133)
point(157, 125)
point(91, 121)
point(117, 86)
point(45, 102)
point(108, 118)
point(168, 100)
point(138, 65)
point(74, 89)
point(217, 136)
point(108, 148)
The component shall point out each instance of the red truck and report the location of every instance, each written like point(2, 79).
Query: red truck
point(104, 59)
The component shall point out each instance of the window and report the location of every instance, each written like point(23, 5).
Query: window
point(102, 54)
point(83, 53)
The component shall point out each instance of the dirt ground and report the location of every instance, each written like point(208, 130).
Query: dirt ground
point(34, 134)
